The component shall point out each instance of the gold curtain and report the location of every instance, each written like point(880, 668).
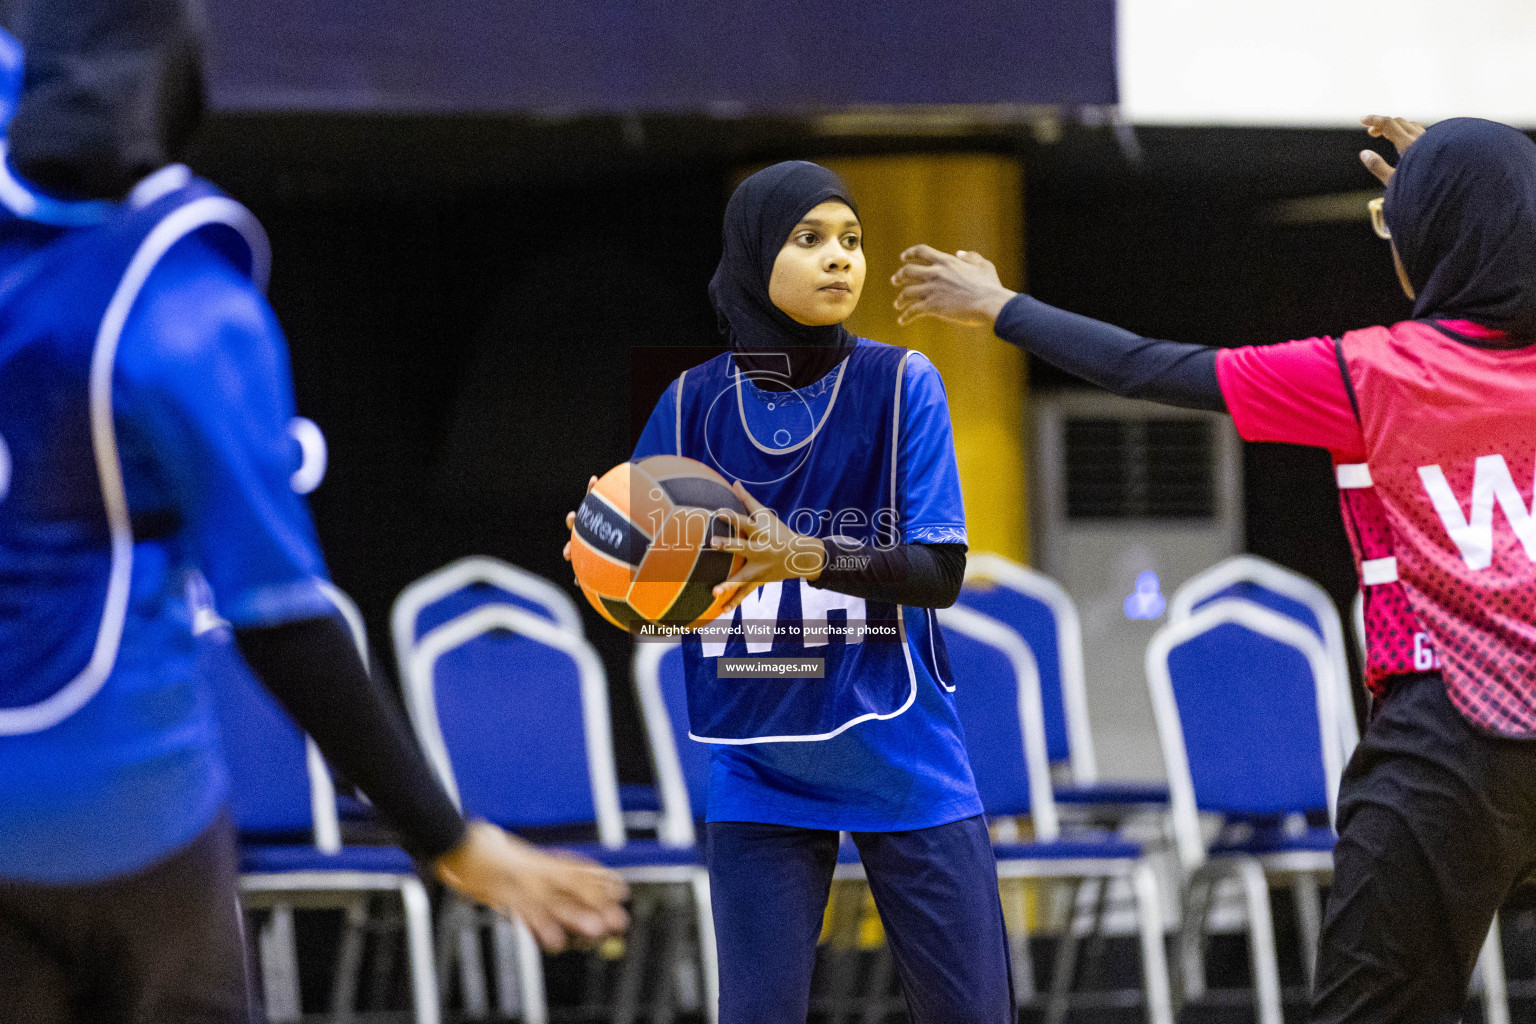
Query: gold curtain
point(959, 201)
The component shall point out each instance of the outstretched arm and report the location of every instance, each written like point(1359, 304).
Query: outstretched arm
point(964, 288)
point(1292, 392)
point(1120, 361)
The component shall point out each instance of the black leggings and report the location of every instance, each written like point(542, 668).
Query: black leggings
point(159, 946)
point(1437, 823)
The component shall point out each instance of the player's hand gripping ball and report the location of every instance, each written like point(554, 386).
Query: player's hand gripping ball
point(640, 543)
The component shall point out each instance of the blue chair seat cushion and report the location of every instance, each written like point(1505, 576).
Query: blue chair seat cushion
point(1113, 793)
point(1092, 847)
point(642, 853)
point(1257, 841)
point(269, 859)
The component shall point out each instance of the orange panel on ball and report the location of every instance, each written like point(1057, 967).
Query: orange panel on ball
point(679, 570)
point(599, 573)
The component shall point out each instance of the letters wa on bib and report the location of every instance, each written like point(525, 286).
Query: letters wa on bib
point(1448, 416)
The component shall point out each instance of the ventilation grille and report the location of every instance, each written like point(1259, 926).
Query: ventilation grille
point(1140, 469)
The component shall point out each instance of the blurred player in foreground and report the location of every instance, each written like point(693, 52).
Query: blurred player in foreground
point(1431, 423)
point(145, 400)
point(855, 519)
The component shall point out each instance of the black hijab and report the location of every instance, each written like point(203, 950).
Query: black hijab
point(1462, 211)
point(769, 344)
point(113, 90)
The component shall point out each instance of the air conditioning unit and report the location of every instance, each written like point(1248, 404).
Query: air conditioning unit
point(1131, 500)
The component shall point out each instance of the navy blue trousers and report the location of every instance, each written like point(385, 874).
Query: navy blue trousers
point(935, 888)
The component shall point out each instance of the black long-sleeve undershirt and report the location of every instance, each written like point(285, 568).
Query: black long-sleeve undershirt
point(1171, 372)
point(918, 575)
point(312, 667)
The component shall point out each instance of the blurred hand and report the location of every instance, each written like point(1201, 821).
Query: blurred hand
point(556, 895)
point(773, 551)
point(963, 288)
point(570, 521)
point(1395, 130)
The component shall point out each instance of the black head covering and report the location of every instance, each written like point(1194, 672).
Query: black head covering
point(113, 90)
point(1461, 207)
point(758, 219)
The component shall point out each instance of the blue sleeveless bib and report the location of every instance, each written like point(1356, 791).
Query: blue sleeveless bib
point(67, 545)
point(839, 479)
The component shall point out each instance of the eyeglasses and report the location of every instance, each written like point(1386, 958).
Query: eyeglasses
point(1378, 208)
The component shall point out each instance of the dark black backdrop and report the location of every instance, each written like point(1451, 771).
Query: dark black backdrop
point(462, 298)
point(468, 359)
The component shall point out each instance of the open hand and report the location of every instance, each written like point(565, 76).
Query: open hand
point(570, 521)
point(962, 288)
point(556, 895)
point(773, 551)
point(1401, 133)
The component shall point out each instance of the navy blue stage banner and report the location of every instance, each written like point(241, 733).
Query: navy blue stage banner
point(727, 57)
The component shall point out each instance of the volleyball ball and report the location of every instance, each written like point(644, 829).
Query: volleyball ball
point(640, 544)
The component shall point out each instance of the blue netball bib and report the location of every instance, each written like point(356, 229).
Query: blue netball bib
point(66, 541)
point(865, 453)
point(824, 459)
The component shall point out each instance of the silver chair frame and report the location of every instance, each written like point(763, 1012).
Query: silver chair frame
point(517, 953)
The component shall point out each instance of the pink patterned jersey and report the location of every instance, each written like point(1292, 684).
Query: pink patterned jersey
point(1295, 392)
point(1450, 438)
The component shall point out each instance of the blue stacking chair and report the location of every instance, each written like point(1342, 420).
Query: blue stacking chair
point(1245, 703)
point(1234, 647)
point(468, 583)
point(444, 594)
point(1295, 596)
point(1291, 594)
point(1045, 616)
point(998, 696)
point(283, 804)
point(512, 711)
